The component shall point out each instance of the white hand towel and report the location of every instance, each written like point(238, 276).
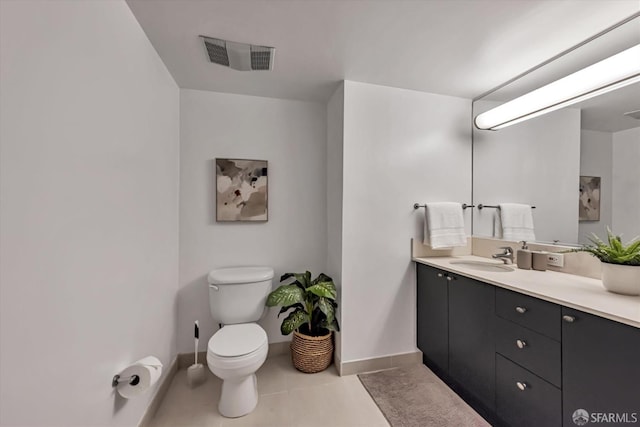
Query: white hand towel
point(497, 225)
point(444, 225)
point(517, 222)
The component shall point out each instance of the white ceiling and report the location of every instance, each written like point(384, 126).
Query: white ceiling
point(605, 113)
point(453, 47)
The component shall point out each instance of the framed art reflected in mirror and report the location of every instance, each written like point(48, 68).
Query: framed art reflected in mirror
point(589, 205)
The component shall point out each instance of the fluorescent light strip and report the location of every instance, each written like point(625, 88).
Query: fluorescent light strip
point(609, 74)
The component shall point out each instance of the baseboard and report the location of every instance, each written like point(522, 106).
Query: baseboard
point(161, 392)
point(378, 363)
point(279, 349)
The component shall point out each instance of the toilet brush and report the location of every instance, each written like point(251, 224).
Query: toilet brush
point(195, 372)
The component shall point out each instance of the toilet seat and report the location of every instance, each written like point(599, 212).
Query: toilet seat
point(232, 341)
point(235, 341)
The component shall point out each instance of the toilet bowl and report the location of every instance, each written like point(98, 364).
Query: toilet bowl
point(234, 354)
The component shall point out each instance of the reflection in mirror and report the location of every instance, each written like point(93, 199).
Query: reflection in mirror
point(540, 161)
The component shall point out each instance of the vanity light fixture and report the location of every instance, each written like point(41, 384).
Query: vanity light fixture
point(612, 73)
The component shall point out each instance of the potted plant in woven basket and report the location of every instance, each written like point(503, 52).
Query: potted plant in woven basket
point(620, 263)
point(312, 319)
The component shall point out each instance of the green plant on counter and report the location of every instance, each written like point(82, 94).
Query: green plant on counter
point(613, 251)
point(313, 303)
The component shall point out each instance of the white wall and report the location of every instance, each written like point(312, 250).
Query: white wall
point(400, 147)
point(626, 183)
point(536, 162)
point(596, 160)
point(335, 130)
point(291, 135)
point(89, 215)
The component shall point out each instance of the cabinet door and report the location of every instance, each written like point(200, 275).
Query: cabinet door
point(600, 368)
point(471, 338)
point(433, 339)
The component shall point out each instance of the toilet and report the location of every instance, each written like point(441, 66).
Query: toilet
point(237, 299)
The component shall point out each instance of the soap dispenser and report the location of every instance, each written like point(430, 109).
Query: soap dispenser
point(524, 257)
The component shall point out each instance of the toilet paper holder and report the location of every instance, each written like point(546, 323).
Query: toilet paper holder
point(132, 380)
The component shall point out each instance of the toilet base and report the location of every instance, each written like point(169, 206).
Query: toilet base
point(239, 396)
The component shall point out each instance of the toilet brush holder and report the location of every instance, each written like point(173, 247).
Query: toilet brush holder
point(195, 373)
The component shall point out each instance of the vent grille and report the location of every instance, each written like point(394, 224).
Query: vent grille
point(217, 50)
point(239, 56)
point(260, 57)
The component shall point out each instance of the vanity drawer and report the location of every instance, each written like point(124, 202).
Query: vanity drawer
point(540, 316)
point(523, 399)
point(537, 353)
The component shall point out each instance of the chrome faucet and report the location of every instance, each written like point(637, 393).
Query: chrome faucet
point(506, 256)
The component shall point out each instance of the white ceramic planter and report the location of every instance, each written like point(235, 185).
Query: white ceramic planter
point(621, 279)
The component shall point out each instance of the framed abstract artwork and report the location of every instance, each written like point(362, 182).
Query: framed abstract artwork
point(241, 190)
point(589, 204)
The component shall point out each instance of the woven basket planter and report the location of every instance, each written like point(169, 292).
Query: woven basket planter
point(311, 354)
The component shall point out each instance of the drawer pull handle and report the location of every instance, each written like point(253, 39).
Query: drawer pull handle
point(521, 310)
point(569, 319)
point(521, 344)
point(440, 275)
point(449, 278)
point(522, 386)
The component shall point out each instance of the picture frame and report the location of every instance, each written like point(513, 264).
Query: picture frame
point(242, 190)
point(589, 199)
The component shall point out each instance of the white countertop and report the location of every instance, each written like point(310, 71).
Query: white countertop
point(581, 293)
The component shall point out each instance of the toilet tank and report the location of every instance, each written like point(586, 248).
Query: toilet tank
point(238, 294)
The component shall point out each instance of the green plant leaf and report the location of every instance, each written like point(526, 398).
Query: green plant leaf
point(285, 295)
point(285, 309)
point(326, 307)
point(614, 251)
point(333, 326)
point(323, 289)
point(285, 276)
point(293, 321)
point(321, 278)
point(296, 282)
point(304, 279)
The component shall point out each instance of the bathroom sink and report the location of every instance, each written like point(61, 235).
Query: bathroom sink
point(483, 266)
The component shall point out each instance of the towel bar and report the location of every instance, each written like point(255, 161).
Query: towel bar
point(464, 206)
point(481, 206)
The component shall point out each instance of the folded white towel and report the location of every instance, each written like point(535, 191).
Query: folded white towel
point(497, 225)
point(517, 222)
point(444, 225)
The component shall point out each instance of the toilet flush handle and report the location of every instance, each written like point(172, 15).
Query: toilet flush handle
point(214, 287)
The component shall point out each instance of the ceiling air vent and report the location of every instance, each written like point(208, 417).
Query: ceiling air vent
point(239, 56)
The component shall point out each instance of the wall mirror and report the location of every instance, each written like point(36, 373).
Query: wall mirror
point(540, 161)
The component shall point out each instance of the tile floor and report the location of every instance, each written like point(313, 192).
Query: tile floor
point(287, 398)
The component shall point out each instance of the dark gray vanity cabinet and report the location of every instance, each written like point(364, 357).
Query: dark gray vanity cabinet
point(433, 318)
point(471, 338)
point(521, 361)
point(600, 368)
point(455, 333)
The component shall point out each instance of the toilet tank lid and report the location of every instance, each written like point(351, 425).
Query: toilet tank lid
point(227, 276)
